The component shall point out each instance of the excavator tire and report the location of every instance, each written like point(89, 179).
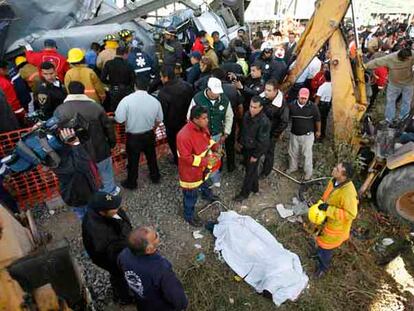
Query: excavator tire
point(395, 194)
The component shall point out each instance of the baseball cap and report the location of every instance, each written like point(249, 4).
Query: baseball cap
point(170, 30)
point(50, 43)
point(215, 86)
point(103, 201)
point(195, 54)
point(304, 92)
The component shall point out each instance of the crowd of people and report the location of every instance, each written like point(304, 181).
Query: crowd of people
point(227, 102)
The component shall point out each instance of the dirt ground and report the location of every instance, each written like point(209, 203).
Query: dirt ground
point(357, 281)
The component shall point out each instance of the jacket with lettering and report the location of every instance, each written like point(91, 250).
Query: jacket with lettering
point(343, 208)
point(49, 55)
point(193, 147)
point(48, 96)
point(153, 282)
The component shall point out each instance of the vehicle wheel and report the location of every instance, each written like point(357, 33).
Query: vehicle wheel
point(395, 194)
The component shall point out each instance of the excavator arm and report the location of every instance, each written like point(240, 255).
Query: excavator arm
point(348, 85)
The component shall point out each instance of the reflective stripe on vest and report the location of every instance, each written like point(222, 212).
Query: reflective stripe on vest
point(326, 245)
point(329, 231)
point(193, 184)
point(88, 91)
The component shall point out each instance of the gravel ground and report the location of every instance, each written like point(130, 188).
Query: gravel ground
point(161, 205)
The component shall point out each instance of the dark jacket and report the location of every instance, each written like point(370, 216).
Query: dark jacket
point(278, 116)
point(76, 176)
point(201, 83)
point(175, 97)
point(251, 87)
point(289, 51)
point(172, 52)
point(233, 94)
point(254, 56)
point(193, 73)
point(8, 121)
point(100, 128)
point(219, 48)
point(272, 68)
point(117, 72)
point(104, 238)
point(153, 282)
point(232, 67)
point(48, 96)
point(255, 133)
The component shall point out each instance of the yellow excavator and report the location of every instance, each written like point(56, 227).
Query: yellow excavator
point(390, 177)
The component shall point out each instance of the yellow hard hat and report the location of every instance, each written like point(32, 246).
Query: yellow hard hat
point(210, 40)
point(75, 55)
point(315, 215)
point(20, 60)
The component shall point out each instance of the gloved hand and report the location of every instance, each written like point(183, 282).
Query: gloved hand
point(323, 207)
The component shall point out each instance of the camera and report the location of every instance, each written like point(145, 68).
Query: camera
point(40, 146)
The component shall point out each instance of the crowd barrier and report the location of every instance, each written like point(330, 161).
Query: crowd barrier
point(41, 184)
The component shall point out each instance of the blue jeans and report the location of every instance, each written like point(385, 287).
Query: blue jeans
point(107, 175)
point(216, 176)
point(190, 199)
point(324, 257)
point(80, 211)
point(392, 94)
point(406, 137)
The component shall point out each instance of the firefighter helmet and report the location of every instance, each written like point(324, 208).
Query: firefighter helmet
point(315, 215)
point(75, 55)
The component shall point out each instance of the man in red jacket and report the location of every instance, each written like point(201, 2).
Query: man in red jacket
point(198, 45)
point(7, 87)
point(196, 160)
point(49, 54)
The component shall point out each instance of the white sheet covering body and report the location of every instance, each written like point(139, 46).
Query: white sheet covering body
point(255, 255)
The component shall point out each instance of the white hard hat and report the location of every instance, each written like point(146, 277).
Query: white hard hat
point(215, 86)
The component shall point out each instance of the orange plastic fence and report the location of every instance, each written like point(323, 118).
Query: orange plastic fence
point(41, 184)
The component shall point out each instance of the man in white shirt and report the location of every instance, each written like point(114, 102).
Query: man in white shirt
point(323, 100)
point(142, 113)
